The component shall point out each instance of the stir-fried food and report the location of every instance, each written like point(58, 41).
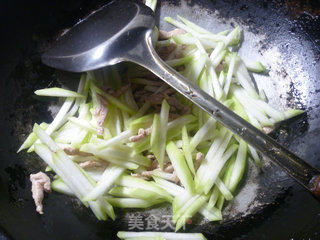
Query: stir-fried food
point(131, 141)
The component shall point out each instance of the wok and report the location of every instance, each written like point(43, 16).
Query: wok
point(282, 34)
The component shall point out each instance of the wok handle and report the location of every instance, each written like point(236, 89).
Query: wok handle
point(297, 168)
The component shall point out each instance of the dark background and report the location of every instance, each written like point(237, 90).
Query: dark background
point(26, 29)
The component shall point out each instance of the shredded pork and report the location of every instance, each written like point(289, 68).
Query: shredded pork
point(221, 66)
point(175, 106)
point(123, 89)
point(101, 113)
point(165, 51)
point(175, 178)
point(154, 164)
point(178, 52)
point(199, 158)
point(74, 151)
point(168, 168)
point(151, 156)
point(163, 35)
point(144, 175)
point(142, 133)
point(93, 164)
point(40, 183)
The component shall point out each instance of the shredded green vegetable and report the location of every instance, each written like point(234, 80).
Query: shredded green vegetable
point(131, 141)
point(162, 235)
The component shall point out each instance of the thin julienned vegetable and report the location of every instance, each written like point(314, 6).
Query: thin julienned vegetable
point(57, 92)
point(165, 235)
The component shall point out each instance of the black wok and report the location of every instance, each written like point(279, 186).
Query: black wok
point(283, 34)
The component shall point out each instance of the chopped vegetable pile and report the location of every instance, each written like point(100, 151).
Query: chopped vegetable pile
point(125, 139)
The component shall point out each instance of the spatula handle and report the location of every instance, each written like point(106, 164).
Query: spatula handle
point(305, 174)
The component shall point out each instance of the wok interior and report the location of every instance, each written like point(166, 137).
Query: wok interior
point(292, 81)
